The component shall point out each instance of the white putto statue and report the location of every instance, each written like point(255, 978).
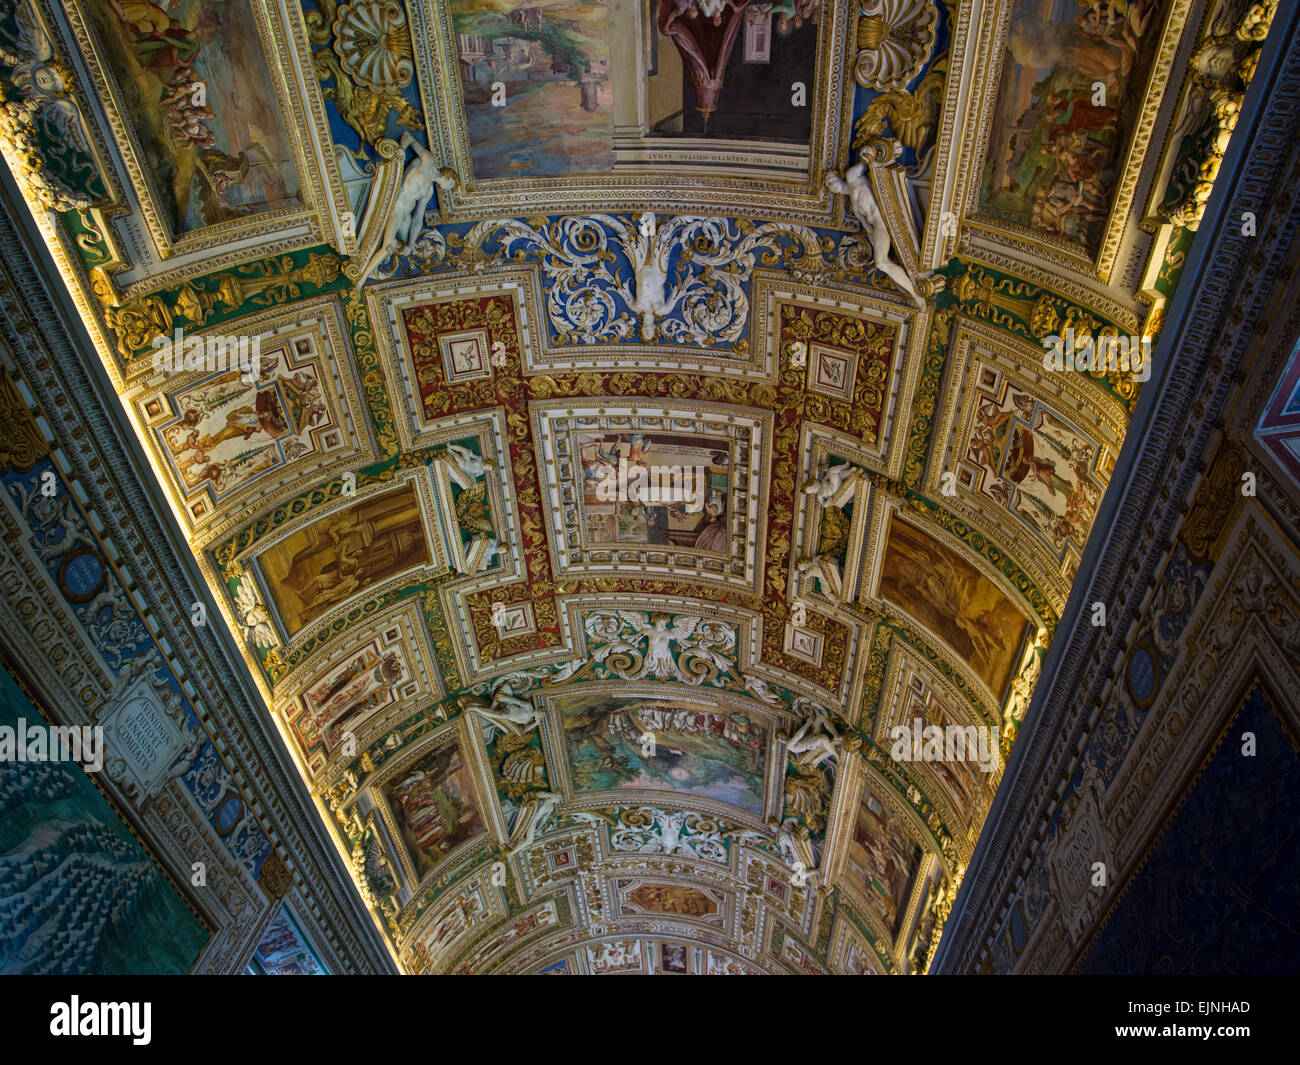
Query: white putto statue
point(816, 741)
point(469, 465)
point(406, 219)
point(828, 484)
point(535, 810)
point(506, 712)
point(857, 187)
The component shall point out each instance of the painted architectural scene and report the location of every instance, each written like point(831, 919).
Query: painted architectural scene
point(656, 488)
point(535, 79)
point(80, 893)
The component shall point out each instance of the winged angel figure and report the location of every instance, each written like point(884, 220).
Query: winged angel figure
point(688, 278)
point(253, 616)
point(647, 648)
point(40, 109)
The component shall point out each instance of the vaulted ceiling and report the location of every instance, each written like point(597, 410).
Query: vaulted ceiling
point(553, 729)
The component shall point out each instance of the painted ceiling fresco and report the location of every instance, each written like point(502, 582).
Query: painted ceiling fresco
point(619, 521)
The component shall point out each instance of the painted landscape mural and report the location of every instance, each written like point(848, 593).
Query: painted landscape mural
point(198, 95)
point(697, 750)
point(553, 109)
point(1073, 78)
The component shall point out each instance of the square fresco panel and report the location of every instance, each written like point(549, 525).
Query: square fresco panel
point(671, 490)
point(729, 74)
point(883, 860)
point(952, 599)
point(198, 94)
point(1073, 78)
point(333, 559)
point(434, 807)
point(228, 432)
point(700, 751)
point(549, 61)
point(345, 695)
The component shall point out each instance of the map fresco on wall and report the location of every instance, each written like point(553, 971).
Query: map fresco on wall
point(1072, 83)
point(697, 750)
point(78, 893)
point(550, 59)
point(198, 96)
point(1202, 903)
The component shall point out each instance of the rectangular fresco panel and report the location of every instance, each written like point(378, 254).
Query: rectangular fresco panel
point(952, 599)
point(671, 490)
point(966, 783)
point(198, 95)
point(334, 558)
point(1035, 465)
point(700, 751)
point(348, 693)
point(883, 860)
point(1073, 78)
point(434, 806)
point(550, 61)
point(227, 432)
point(729, 74)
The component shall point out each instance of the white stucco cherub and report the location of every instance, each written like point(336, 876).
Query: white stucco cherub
point(815, 742)
point(830, 482)
point(534, 811)
point(469, 465)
